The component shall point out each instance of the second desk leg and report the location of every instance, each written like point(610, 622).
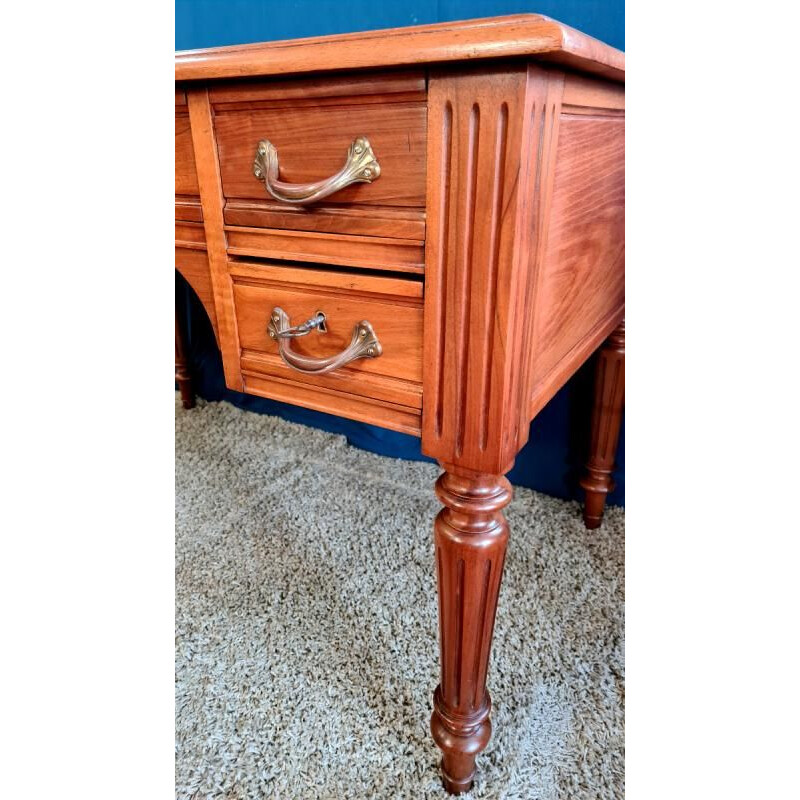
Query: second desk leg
point(182, 375)
point(609, 398)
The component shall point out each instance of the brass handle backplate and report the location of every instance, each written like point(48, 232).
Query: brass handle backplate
point(361, 166)
point(364, 343)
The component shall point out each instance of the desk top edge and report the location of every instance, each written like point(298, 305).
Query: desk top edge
point(519, 35)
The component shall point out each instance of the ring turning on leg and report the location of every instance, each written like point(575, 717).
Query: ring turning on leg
point(470, 535)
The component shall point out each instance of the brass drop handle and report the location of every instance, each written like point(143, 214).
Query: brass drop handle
point(364, 343)
point(361, 166)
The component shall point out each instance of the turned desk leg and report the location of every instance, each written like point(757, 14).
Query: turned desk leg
point(609, 397)
point(470, 535)
point(182, 375)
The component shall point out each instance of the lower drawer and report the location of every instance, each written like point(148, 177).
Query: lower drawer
point(384, 390)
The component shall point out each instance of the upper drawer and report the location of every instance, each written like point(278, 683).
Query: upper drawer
point(312, 124)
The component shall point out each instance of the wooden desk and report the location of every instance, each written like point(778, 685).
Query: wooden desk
point(443, 207)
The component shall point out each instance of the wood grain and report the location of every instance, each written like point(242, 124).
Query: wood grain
point(382, 221)
point(501, 143)
point(381, 87)
point(211, 197)
point(190, 234)
point(347, 282)
point(609, 397)
point(188, 209)
point(399, 327)
point(312, 144)
point(581, 279)
point(320, 398)
point(193, 265)
point(488, 128)
point(365, 252)
point(521, 35)
point(185, 169)
point(470, 538)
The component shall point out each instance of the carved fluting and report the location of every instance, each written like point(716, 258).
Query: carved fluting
point(544, 115)
point(470, 535)
point(182, 375)
point(482, 142)
point(609, 398)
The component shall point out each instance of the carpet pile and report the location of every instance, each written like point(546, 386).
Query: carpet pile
point(306, 627)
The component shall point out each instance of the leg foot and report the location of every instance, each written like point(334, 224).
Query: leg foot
point(609, 397)
point(470, 535)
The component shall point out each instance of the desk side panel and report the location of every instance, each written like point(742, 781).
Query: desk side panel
point(580, 284)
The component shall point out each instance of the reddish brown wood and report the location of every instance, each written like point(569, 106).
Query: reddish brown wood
point(312, 142)
point(193, 265)
point(520, 35)
point(365, 252)
point(209, 182)
point(609, 397)
point(519, 233)
point(185, 172)
point(489, 150)
point(580, 286)
point(385, 391)
point(182, 375)
point(470, 535)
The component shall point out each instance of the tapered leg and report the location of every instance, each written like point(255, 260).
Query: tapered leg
point(182, 375)
point(470, 535)
point(609, 398)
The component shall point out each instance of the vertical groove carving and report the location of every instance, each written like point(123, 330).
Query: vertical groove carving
point(459, 613)
point(494, 254)
point(480, 634)
point(444, 216)
point(546, 138)
point(463, 321)
point(471, 534)
point(442, 643)
point(609, 397)
point(493, 144)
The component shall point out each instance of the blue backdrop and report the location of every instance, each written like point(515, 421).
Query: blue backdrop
point(552, 460)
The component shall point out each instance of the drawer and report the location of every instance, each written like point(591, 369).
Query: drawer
point(187, 191)
point(312, 124)
point(385, 390)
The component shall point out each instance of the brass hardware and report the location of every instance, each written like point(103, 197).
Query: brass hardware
point(361, 166)
point(317, 321)
point(364, 343)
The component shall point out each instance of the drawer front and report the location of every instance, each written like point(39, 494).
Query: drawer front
point(187, 191)
point(392, 306)
point(312, 123)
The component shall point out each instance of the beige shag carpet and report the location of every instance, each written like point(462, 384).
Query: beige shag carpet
point(306, 639)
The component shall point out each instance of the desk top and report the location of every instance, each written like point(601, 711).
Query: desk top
point(494, 37)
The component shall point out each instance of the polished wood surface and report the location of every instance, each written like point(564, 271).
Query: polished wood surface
point(182, 375)
point(210, 185)
point(521, 35)
point(609, 397)
point(312, 133)
point(364, 252)
point(192, 263)
point(311, 123)
point(489, 143)
point(488, 257)
point(396, 316)
point(470, 537)
point(577, 302)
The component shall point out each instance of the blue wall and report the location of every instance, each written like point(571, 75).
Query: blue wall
point(551, 461)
